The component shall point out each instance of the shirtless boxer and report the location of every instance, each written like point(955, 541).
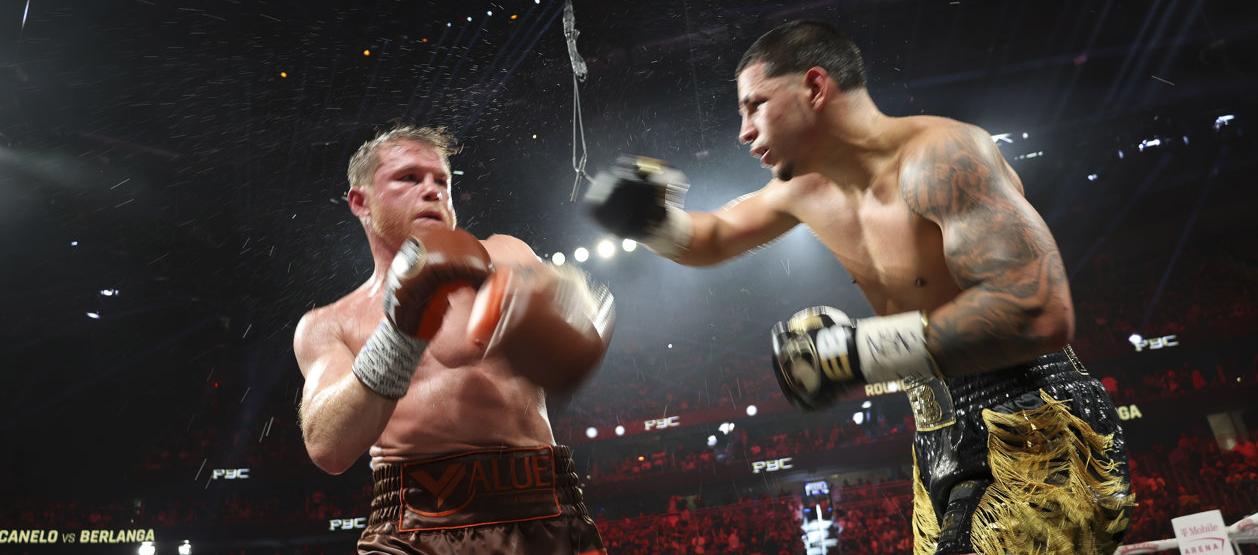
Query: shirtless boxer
point(1017, 449)
point(438, 365)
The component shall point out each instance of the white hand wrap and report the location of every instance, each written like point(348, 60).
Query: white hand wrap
point(893, 348)
point(388, 360)
point(671, 238)
point(583, 301)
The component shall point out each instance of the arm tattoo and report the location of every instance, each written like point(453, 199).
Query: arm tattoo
point(997, 248)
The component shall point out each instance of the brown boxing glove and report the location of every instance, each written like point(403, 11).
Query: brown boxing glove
point(551, 324)
point(426, 269)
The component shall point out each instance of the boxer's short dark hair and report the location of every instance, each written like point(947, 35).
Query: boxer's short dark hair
point(799, 45)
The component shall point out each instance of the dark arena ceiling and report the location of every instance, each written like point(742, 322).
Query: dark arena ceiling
point(172, 179)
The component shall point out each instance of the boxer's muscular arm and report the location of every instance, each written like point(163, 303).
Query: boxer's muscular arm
point(1016, 301)
point(340, 417)
point(742, 225)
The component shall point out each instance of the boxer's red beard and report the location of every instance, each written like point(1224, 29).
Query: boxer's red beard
point(394, 227)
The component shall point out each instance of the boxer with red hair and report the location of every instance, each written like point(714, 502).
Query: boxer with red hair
point(438, 367)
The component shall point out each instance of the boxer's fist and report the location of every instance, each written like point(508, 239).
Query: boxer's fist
point(550, 324)
point(820, 354)
point(814, 357)
point(640, 198)
point(427, 267)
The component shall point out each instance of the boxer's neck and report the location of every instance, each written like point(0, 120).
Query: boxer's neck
point(382, 253)
point(855, 140)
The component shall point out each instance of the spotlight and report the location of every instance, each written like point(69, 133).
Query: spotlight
point(867, 404)
point(489, 13)
point(606, 249)
point(558, 259)
point(93, 315)
point(283, 75)
point(752, 410)
point(1120, 154)
point(581, 254)
point(591, 432)
point(1024, 135)
point(108, 292)
point(366, 52)
point(186, 548)
point(858, 418)
point(725, 427)
point(1092, 177)
point(629, 245)
point(1135, 339)
point(712, 441)
point(146, 548)
point(620, 430)
point(469, 19)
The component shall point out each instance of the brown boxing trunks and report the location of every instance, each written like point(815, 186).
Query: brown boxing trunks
point(490, 501)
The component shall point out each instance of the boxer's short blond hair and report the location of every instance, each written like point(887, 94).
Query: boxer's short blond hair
point(364, 162)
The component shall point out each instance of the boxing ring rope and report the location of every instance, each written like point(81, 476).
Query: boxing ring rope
point(1242, 531)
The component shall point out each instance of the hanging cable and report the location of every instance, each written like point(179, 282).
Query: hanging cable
point(579, 73)
point(578, 130)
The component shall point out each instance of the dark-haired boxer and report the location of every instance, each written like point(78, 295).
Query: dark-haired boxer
point(438, 366)
point(1018, 449)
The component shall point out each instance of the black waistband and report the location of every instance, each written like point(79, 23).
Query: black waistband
point(974, 392)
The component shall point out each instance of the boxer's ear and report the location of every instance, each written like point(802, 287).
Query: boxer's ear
point(356, 197)
point(820, 86)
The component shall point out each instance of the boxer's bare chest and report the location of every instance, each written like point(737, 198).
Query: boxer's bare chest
point(894, 255)
point(458, 399)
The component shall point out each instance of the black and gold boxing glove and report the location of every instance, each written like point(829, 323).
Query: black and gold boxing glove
point(820, 353)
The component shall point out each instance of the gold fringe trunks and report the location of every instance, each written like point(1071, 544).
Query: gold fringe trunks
point(1032, 461)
